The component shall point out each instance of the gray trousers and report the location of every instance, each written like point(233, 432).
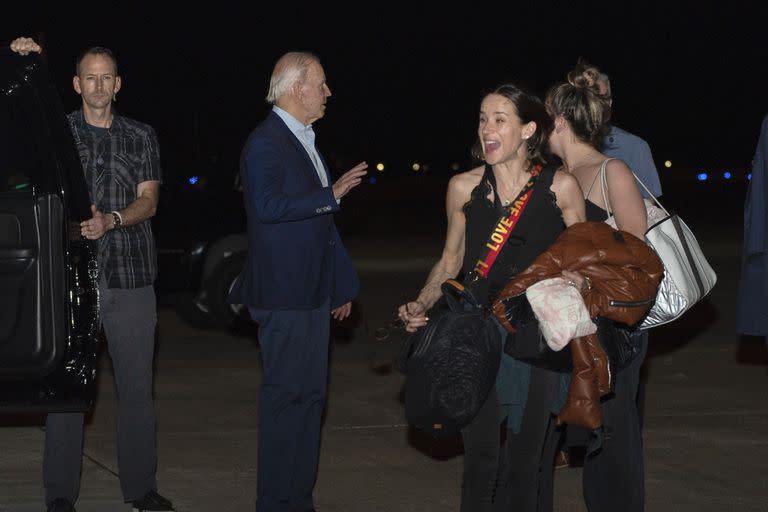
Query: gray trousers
point(129, 317)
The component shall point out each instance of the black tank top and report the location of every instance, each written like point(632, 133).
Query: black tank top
point(594, 212)
point(538, 227)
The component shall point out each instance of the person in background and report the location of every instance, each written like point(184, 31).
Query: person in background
point(512, 131)
point(297, 276)
point(121, 161)
point(636, 153)
point(613, 477)
point(752, 307)
point(633, 150)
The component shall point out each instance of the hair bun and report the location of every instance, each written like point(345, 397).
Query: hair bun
point(582, 105)
point(585, 76)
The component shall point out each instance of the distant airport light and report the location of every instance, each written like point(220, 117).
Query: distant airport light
point(454, 167)
point(380, 167)
point(727, 175)
point(668, 164)
point(193, 180)
point(702, 176)
point(372, 180)
point(749, 177)
point(416, 166)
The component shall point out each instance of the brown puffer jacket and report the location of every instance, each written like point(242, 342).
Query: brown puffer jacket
point(625, 274)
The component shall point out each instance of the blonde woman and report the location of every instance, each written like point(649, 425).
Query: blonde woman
point(613, 476)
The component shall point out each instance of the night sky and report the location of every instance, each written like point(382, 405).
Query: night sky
point(407, 82)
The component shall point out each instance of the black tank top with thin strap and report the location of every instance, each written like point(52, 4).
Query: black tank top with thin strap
point(538, 227)
point(592, 211)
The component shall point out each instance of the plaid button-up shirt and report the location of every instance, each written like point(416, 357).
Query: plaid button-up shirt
point(114, 164)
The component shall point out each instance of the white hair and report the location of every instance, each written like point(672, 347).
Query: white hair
point(289, 69)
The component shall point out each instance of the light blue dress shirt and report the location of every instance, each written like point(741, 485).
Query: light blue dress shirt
point(306, 136)
point(636, 153)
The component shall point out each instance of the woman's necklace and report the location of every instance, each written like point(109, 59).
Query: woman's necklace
point(507, 202)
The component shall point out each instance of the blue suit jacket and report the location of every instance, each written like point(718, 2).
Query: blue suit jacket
point(752, 308)
point(296, 259)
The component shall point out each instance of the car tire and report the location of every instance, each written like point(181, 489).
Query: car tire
point(190, 313)
point(216, 288)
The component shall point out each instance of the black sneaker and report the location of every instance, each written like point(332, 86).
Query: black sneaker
point(152, 501)
point(60, 505)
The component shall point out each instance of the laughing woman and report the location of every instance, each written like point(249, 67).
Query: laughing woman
point(513, 132)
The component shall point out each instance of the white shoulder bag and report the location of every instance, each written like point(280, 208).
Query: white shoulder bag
point(688, 277)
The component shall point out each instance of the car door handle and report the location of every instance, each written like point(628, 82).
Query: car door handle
point(17, 253)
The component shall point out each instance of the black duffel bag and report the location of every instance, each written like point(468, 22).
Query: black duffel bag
point(450, 364)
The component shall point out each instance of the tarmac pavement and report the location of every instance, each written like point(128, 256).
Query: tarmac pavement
point(705, 427)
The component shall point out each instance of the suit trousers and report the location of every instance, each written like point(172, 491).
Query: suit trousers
point(129, 317)
point(294, 355)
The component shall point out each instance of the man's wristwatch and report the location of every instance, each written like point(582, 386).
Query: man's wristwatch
point(118, 220)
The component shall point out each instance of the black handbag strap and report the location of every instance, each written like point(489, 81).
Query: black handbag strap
point(458, 296)
point(507, 221)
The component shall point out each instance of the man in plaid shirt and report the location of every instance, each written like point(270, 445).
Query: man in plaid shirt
point(121, 162)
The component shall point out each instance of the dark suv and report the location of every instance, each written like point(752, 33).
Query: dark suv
point(48, 272)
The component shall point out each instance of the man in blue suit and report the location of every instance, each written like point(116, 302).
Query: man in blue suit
point(752, 306)
point(297, 276)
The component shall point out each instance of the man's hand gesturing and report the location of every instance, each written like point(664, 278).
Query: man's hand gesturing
point(349, 180)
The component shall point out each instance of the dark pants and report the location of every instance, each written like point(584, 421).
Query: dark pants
point(481, 457)
point(519, 474)
point(614, 477)
point(129, 317)
point(526, 480)
point(294, 354)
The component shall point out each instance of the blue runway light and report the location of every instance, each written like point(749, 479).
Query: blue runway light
point(749, 177)
point(727, 175)
point(193, 179)
point(372, 180)
point(702, 176)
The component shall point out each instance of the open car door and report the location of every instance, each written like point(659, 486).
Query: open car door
point(48, 272)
